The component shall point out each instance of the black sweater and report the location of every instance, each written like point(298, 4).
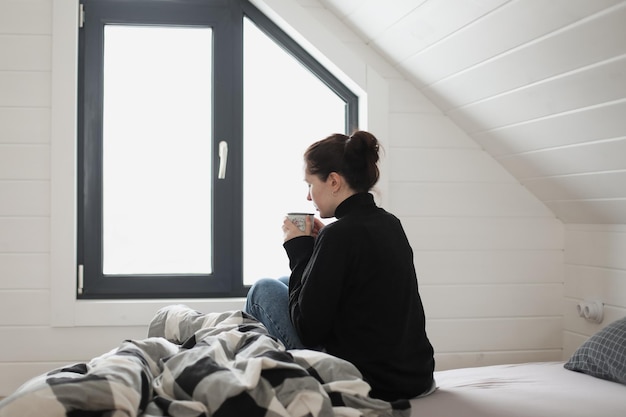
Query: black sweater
point(353, 291)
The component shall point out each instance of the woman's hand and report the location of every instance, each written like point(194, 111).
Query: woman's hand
point(316, 226)
point(290, 230)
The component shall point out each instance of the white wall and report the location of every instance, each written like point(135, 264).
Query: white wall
point(595, 269)
point(489, 255)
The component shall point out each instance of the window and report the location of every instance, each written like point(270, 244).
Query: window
point(193, 117)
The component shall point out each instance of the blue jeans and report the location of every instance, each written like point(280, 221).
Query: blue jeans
point(268, 302)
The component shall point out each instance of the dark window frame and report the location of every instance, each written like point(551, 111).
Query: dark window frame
point(226, 19)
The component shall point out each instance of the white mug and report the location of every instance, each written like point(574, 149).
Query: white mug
point(299, 219)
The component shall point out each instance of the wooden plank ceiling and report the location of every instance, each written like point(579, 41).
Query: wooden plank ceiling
point(539, 84)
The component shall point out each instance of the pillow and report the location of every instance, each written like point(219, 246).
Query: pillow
point(603, 355)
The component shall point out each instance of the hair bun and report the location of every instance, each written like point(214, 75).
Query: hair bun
point(361, 158)
point(364, 145)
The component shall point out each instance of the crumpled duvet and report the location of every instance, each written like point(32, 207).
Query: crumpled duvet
point(195, 364)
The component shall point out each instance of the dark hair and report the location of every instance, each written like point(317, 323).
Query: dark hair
point(355, 157)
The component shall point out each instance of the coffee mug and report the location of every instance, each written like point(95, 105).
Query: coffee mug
point(299, 219)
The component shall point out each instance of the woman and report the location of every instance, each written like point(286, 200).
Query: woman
point(353, 289)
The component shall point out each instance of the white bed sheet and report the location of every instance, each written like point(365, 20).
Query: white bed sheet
point(543, 389)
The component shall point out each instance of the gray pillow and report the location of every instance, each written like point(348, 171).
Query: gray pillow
point(603, 355)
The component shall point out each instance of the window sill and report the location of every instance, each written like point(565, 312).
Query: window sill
point(141, 312)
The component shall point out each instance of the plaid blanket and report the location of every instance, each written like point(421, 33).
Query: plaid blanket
point(194, 364)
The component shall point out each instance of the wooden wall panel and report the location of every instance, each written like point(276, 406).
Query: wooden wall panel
point(530, 20)
point(24, 271)
point(26, 17)
point(595, 269)
point(445, 165)
point(526, 79)
point(426, 24)
point(583, 88)
point(63, 344)
point(24, 198)
point(596, 245)
point(497, 334)
point(25, 89)
point(14, 313)
point(405, 98)
point(25, 85)
point(24, 162)
point(427, 131)
point(596, 283)
point(571, 342)
point(473, 199)
point(492, 301)
point(589, 124)
point(586, 211)
point(604, 155)
point(376, 22)
point(24, 235)
point(16, 373)
point(22, 125)
point(489, 267)
point(497, 234)
point(593, 185)
point(25, 52)
point(453, 360)
point(602, 39)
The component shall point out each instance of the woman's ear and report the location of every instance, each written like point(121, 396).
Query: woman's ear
point(335, 181)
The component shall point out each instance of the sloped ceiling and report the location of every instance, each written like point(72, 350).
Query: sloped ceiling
point(539, 84)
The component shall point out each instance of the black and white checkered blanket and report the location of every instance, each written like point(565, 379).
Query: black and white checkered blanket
point(194, 364)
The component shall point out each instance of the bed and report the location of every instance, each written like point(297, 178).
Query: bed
point(521, 390)
point(225, 364)
point(592, 382)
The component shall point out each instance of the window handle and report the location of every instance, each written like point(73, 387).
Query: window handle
point(223, 153)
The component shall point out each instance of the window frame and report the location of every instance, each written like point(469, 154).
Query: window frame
point(226, 17)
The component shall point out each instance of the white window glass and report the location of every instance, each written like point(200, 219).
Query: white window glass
point(157, 150)
point(286, 108)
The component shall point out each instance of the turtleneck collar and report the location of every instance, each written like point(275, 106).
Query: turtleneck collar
point(354, 202)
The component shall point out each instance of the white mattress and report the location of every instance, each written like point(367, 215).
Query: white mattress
point(543, 389)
